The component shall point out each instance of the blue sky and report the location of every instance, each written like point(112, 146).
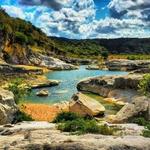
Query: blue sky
point(82, 19)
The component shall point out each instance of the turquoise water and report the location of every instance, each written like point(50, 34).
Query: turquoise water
point(67, 87)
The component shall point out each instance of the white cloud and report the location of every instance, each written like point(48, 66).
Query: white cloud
point(14, 11)
point(76, 18)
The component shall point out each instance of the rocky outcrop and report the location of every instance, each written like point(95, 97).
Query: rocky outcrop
point(7, 69)
point(96, 67)
point(42, 93)
point(138, 106)
point(51, 63)
point(118, 87)
point(44, 136)
point(77, 61)
point(85, 105)
point(127, 65)
point(8, 107)
point(141, 71)
point(41, 82)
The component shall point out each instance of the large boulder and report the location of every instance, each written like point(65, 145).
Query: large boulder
point(139, 106)
point(85, 105)
point(127, 65)
point(8, 108)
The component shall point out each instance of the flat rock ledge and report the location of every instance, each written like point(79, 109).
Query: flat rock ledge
point(44, 136)
point(127, 65)
point(120, 87)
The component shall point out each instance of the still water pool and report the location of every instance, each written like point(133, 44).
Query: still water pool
point(67, 87)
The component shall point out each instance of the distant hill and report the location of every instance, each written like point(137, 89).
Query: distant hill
point(114, 46)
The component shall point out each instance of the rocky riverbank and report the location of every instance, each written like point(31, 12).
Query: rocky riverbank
point(127, 65)
point(28, 135)
point(122, 89)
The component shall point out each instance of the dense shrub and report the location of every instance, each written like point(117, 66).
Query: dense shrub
point(141, 121)
point(72, 122)
point(82, 126)
point(146, 133)
point(19, 90)
point(144, 85)
point(20, 38)
point(104, 54)
point(21, 116)
point(66, 116)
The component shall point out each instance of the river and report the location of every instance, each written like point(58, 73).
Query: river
point(67, 87)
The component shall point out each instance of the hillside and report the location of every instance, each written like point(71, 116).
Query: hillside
point(114, 46)
point(20, 39)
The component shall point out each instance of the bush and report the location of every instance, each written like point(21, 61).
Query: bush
point(82, 126)
point(21, 116)
point(72, 122)
point(140, 121)
point(105, 54)
point(144, 85)
point(21, 38)
point(19, 91)
point(66, 116)
point(146, 133)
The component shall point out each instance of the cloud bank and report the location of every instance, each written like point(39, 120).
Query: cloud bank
point(77, 18)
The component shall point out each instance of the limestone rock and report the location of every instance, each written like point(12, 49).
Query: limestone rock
point(51, 63)
point(8, 107)
point(138, 106)
point(42, 81)
point(42, 93)
point(85, 105)
point(119, 87)
point(44, 136)
point(127, 65)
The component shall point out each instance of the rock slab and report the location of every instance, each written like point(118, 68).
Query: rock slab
point(8, 107)
point(85, 105)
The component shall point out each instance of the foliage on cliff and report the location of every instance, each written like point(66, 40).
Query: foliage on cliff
point(114, 46)
point(15, 30)
point(22, 37)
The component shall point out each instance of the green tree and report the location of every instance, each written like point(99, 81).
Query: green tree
point(104, 54)
point(21, 38)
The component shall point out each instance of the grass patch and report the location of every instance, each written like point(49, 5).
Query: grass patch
point(71, 122)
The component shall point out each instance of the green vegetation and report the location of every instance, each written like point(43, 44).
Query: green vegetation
point(144, 85)
point(130, 56)
point(21, 116)
point(66, 116)
point(21, 38)
point(71, 122)
point(141, 121)
point(19, 89)
point(16, 30)
point(76, 48)
point(105, 54)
